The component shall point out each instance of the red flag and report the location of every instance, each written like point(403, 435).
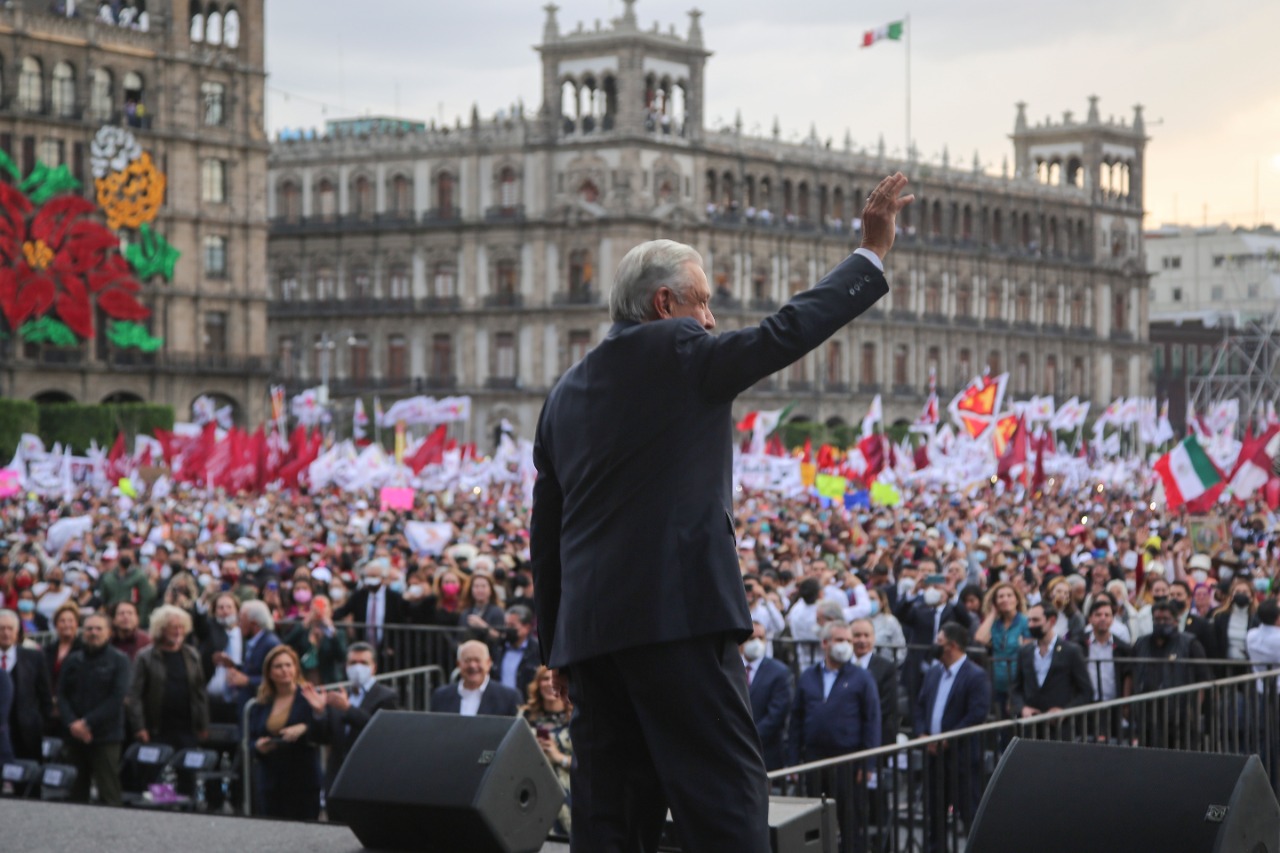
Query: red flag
point(774, 447)
point(1015, 453)
point(220, 460)
point(921, 456)
point(430, 452)
point(807, 458)
point(826, 457)
point(872, 448)
point(117, 465)
point(1037, 479)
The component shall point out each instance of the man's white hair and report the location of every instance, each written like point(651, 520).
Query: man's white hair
point(644, 269)
point(259, 614)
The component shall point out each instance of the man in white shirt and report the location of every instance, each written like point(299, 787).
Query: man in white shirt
point(223, 651)
point(474, 693)
point(764, 612)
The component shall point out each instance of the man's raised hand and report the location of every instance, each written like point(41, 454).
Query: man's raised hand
point(880, 214)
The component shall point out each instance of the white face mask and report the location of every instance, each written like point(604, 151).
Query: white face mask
point(842, 652)
point(932, 596)
point(1131, 585)
point(906, 585)
point(753, 649)
point(229, 621)
point(1199, 576)
point(360, 674)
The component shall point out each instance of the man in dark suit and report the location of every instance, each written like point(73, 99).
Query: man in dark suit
point(32, 694)
point(258, 630)
point(518, 656)
point(956, 694)
point(346, 714)
point(770, 685)
point(475, 694)
point(884, 673)
point(1197, 626)
point(922, 616)
point(375, 605)
point(1106, 657)
point(1052, 674)
point(638, 590)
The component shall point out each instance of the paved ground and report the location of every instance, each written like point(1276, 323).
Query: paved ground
point(31, 826)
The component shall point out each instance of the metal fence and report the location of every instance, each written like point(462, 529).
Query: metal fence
point(413, 686)
point(403, 646)
point(922, 794)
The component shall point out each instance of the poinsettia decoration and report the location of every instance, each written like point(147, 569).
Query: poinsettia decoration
point(56, 263)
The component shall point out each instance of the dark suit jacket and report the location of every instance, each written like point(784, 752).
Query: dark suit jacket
point(1066, 686)
point(632, 539)
point(847, 720)
point(917, 621)
point(252, 667)
point(1205, 631)
point(496, 701)
point(216, 641)
point(886, 675)
point(345, 726)
point(1221, 645)
point(6, 706)
point(968, 703)
point(530, 660)
point(357, 607)
point(771, 689)
point(32, 703)
point(1120, 653)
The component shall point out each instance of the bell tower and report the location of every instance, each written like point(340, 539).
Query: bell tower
point(622, 80)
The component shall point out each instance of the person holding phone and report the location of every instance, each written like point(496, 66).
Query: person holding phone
point(548, 713)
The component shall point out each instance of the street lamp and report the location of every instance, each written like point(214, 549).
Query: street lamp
point(325, 347)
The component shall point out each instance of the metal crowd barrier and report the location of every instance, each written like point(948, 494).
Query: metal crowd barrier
point(414, 687)
point(403, 646)
point(922, 794)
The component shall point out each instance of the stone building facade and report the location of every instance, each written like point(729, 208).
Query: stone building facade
point(477, 258)
point(186, 78)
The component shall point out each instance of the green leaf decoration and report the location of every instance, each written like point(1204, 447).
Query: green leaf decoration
point(152, 256)
point(48, 330)
point(44, 183)
point(128, 335)
point(8, 166)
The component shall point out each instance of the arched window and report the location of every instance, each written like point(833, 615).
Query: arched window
point(444, 281)
point(362, 200)
point(326, 203)
point(288, 284)
point(397, 359)
point(399, 285)
point(64, 90)
point(588, 192)
point(231, 28)
point(326, 283)
point(213, 26)
point(1050, 374)
point(995, 300)
point(444, 194)
point(581, 272)
point(214, 96)
point(135, 108)
point(1022, 305)
point(964, 301)
point(289, 202)
point(31, 85)
point(197, 22)
point(101, 97)
point(400, 197)
point(1051, 301)
point(508, 188)
point(361, 283)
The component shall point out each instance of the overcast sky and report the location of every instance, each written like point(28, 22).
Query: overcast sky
point(1205, 73)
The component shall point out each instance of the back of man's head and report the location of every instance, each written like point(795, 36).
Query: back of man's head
point(644, 269)
point(1269, 612)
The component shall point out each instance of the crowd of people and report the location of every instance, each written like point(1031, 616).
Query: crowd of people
point(153, 620)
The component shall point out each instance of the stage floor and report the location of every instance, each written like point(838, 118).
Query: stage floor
point(32, 826)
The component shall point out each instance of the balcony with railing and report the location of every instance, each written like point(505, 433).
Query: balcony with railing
point(583, 296)
point(504, 300)
point(442, 217)
point(505, 213)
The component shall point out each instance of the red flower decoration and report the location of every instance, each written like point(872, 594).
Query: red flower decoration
point(58, 259)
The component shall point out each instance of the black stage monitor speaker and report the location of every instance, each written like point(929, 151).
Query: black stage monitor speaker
point(447, 784)
point(1115, 799)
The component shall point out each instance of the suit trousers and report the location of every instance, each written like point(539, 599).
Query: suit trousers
point(666, 726)
point(98, 763)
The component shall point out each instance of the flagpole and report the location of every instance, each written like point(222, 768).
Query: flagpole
point(906, 25)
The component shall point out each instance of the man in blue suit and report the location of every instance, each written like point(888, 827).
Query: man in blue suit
point(638, 591)
point(475, 694)
point(257, 627)
point(770, 684)
point(956, 694)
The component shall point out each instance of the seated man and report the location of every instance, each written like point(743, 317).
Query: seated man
point(475, 694)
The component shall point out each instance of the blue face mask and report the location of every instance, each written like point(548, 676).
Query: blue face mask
point(980, 556)
point(765, 528)
point(1262, 585)
point(803, 528)
point(26, 605)
point(875, 607)
point(882, 543)
point(397, 586)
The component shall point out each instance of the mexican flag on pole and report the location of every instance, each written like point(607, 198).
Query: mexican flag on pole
point(1187, 472)
point(891, 31)
point(761, 423)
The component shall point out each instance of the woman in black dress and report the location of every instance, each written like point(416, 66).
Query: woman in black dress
point(284, 731)
point(168, 700)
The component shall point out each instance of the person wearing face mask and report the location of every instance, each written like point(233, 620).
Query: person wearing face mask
point(770, 685)
point(32, 622)
point(374, 606)
point(1052, 673)
point(321, 648)
point(518, 656)
point(1165, 659)
point(837, 707)
point(348, 711)
point(1189, 623)
point(55, 593)
point(1232, 623)
point(924, 615)
point(223, 650)
point(956, 695)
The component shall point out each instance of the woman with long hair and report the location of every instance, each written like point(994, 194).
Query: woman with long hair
point(1232, 621)
point(548, 714)
point(1003, 630)
point(1070, 624)
point(66, 639)
point(283, 727)
point(480, 611)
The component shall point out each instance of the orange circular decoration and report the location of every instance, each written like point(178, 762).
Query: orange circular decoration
point(133, 196)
